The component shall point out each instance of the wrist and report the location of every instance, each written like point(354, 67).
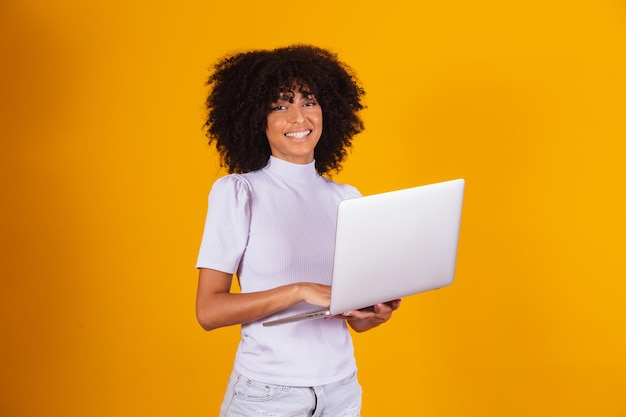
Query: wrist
point(296, 292)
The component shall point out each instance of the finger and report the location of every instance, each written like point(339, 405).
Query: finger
point(395, 304)
point(356, 314)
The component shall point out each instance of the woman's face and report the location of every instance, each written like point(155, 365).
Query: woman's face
point(294, 126)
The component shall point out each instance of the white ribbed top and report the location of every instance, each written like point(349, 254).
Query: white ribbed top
point(273, 227)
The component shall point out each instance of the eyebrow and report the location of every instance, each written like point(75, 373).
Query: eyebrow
point(287, 96)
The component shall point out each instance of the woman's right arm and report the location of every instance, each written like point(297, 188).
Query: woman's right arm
point(217, 307)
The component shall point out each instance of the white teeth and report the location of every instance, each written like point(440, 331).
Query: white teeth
point(298, 135)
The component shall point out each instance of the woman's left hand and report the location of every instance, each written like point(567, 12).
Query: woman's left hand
point(370, 317)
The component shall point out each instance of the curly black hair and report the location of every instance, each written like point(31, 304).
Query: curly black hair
point(243, 86)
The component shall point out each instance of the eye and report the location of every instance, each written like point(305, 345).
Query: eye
point(310, 102)
point(277, 107)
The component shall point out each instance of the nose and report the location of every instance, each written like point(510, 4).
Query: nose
point(295, 114)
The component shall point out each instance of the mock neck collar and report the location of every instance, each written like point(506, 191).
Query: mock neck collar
point(296, 172)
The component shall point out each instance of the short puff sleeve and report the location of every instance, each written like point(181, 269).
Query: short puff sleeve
point(227, 225)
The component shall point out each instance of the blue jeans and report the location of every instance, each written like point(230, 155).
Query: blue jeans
point(248, 398)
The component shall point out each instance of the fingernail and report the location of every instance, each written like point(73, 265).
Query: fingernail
point(345, 314)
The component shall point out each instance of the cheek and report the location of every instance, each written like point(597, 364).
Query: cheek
point(273, 126)
point(318, 118)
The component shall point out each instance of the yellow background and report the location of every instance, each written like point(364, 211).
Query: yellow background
point(104, 174)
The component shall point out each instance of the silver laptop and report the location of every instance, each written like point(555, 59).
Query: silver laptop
point(392, 245)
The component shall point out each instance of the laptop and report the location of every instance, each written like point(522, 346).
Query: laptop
point(392, 245)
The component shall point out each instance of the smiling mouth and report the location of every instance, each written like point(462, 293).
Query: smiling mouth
point(298, 135)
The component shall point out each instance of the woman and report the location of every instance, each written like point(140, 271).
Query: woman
point(280, 119)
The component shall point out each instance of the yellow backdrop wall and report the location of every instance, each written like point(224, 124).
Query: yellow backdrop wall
point(105, 171)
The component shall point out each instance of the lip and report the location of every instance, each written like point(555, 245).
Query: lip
point(300, 134)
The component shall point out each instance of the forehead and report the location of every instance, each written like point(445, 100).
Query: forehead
point(291, 95)
point(292, 89)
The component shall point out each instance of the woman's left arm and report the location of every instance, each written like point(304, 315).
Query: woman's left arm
point(366, 319)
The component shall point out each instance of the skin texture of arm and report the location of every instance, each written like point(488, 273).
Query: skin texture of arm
point(217, 307)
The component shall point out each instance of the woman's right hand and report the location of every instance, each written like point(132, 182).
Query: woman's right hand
point(316, 294)
point(217, 307)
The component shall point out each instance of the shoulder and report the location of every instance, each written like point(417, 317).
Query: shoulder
point(345, 190)
point(231, 180)
point(229, 185)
